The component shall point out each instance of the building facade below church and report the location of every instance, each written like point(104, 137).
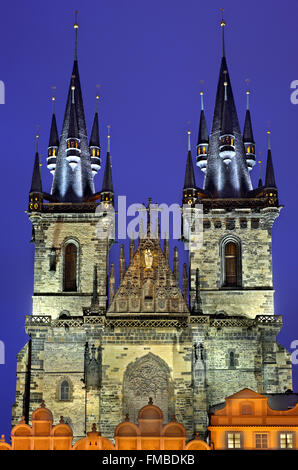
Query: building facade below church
point(245, 421)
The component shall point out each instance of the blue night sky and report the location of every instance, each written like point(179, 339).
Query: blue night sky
point(149, 58)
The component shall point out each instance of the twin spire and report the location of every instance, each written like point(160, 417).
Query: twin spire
point(72, 160)
point(227, 156)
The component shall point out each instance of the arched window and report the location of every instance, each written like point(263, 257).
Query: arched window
point(230, 252)
point(232, 359)
point(70, 268)
point(64, 391)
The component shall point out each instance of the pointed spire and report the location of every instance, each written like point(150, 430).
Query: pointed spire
point(54, 138)
point(94, 137)
point(247, 130)
point(203, 137)
point(223, 24)
point(233, 180)
point(189, 180)
point(270, 178)
point(94, 144)
point(107, 184)
point(36, 185)
point(76, 26)
point(69, 185)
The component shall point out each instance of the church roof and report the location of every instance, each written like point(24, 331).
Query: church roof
point(203, 137)
point(69, 185)
point(54, 139)
point(107, 184)
point(270, 177)
point(189, 179)
point(247, 130)
point(36, 185)
point(94, 137)
point(223, 180)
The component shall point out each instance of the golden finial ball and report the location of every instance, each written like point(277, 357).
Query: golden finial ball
point(188, 132)
point(268, 132)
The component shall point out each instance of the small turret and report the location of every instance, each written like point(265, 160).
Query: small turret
point(35, 194)
point(270, 186)
point(189, 189)
point(94, 145)
point(54, 140)
point(248, 138)
point(203, 139)
point(227, 139)
point(107, 191)
point(73, 151)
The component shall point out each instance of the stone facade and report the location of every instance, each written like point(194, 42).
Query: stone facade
point(113, 358)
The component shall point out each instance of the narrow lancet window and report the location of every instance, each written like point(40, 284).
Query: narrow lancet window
point(70, 268)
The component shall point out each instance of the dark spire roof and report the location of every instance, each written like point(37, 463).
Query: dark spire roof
point(226, 122)
point(270, 178)
point(247, 130)
point(73, 131)
point(203, 137)
point(54, 139)
point(36, 186)
point(69, 185)
point(223, 180)
point(189, 180)
point(94, 137)
point(107, 184)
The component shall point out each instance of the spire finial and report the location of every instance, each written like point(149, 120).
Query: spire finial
point(37, 137)
point(109, 139)
point(260, 172)
point(188, 136)
point(223, 24)
point(53, 98)
point(97, 97)
point(269, 143)
point(247, 81)
point(76, 34)
point(202, 95)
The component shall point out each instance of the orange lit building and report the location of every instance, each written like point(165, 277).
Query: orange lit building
point(247, 421)
point(149, 434)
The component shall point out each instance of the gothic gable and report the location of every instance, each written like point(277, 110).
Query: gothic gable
point(148, 285)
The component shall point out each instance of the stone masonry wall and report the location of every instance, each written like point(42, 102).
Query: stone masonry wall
point(51, 233)
point(255, 296)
